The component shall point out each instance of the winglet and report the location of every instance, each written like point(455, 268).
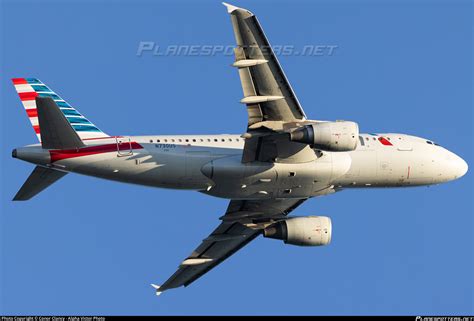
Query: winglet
point(156, 287)
point(230, 8)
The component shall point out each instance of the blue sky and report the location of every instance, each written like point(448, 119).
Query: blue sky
point(89, 246)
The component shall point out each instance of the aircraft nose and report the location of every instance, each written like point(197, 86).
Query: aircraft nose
point(456, 167)
point(460, 166)
point(449, 166)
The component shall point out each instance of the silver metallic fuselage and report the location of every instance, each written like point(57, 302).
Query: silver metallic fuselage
point(212, 164)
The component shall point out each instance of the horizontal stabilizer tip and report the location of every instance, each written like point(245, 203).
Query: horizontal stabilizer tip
point(156, 287)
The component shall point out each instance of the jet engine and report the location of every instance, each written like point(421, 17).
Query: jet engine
point(303, 231)
point(339, 136)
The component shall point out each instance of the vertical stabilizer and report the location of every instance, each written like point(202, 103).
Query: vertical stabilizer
point(30, 88)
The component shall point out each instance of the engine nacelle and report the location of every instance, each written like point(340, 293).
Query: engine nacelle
point(339, 136)
point(303, 231)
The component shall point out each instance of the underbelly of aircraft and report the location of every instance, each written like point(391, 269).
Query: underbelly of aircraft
point(217, 175)
point(259, 180)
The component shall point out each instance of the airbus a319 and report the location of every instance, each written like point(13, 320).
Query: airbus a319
point(283, 159)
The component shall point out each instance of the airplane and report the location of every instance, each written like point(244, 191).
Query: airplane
point(282, 160)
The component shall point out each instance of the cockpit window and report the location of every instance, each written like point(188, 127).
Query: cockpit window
point(432, 143)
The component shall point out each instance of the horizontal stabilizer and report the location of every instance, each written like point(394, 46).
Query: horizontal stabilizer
point(38, 180)
point(56, 131)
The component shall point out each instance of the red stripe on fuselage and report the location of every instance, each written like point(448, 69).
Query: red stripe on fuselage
point(57, 155)
point(37, 129)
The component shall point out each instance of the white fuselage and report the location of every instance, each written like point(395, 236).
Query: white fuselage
point(212, 164)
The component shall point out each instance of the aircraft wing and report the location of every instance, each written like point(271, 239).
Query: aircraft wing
point(272, 105)
point(242, 222)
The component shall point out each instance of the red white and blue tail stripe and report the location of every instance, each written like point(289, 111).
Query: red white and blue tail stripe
point(29, 88)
